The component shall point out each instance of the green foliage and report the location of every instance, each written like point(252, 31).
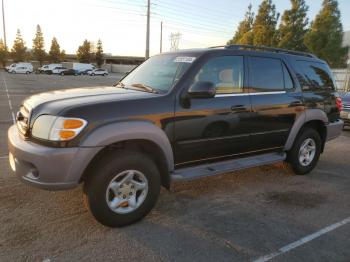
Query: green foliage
point(244, 34)
point(293, 26)
point(3, 53)
point(39, 46)
point(99, 53)
point(326, 34)
point(264, 26)
point(84, 52)
point(19, 49)
point(55, 54)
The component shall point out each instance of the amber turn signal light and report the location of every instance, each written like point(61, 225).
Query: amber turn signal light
point(72, 123)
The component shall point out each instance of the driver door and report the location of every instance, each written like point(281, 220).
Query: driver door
point(209, 129)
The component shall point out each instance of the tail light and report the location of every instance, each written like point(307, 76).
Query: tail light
point(339, 103)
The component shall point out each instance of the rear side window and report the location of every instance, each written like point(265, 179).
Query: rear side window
point(266, 74)
point(315, 76)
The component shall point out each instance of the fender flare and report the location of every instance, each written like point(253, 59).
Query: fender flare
point(307, 116)
point(131, 130)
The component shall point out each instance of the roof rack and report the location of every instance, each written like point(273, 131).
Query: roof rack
point(266, 48)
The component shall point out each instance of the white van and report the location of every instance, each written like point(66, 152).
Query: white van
point(48, 68)
point(82, 68)
point(21, 68)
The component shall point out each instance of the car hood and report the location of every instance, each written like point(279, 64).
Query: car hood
point(55, 101)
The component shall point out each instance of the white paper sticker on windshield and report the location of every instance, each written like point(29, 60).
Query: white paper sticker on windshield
point(184, 59)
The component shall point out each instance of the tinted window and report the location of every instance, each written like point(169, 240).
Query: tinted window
point(226, 72)
point(315, 76)
point(288, 82)
point(266, 74)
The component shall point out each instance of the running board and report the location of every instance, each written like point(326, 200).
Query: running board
point(190, 173)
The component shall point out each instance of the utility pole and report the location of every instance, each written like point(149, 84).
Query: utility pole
point(161, 36)
point(3, 24)
point(147, 31)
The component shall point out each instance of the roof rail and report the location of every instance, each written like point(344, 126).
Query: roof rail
point(266, 48)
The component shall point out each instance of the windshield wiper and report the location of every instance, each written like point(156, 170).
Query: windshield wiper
point(145, 87)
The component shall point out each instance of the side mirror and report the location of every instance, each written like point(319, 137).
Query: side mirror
point(202, 89)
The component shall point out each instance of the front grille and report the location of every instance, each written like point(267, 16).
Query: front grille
point(346, 106)
point(22, 120)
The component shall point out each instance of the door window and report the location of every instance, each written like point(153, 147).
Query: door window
point(266, 74)
point(226, 72)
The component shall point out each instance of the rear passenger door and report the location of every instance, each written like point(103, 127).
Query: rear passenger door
point(275, 102)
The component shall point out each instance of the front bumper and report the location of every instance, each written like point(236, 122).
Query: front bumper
point(334, 129)
point(47, 167)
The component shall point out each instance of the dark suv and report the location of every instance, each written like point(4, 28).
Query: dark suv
point(178, 116)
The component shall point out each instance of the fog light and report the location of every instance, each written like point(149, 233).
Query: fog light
point(12, 162)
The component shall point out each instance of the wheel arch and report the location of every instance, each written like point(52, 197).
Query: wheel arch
point(315, 118)
point(138, 135)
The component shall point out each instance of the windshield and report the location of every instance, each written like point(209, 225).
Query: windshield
point(159, 72)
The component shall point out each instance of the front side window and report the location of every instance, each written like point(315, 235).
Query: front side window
point(159, 72)
point(266, 74)
point(226, 72)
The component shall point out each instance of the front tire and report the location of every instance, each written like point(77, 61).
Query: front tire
point(122, 188)
point(305, 152)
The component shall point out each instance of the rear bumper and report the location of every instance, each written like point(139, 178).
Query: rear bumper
point(46, 167)
point(334, 129)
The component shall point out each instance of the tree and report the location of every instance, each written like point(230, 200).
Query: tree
point(19, 49)
point(84, 52)
point(326, 35)
point(264, 26)
point(293, 26)
point(3, 53)
point(39, 45)
point(99, 53)
point(55, 53)
point(244, 34)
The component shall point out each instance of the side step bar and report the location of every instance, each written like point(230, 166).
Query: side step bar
point(190, 173)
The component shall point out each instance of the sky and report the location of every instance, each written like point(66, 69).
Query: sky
point(121, 24)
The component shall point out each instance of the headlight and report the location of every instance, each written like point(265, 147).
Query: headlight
point(57, 128)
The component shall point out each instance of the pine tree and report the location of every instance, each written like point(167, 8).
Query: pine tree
point(99, 53)
point(244, 34)
point(3, 53)
point(293, 26)
point(264, 26)
point(55, 51)
point(84, 53)
point(326, 35)
point(39, 45)
point(19, 49)
point(63, 55)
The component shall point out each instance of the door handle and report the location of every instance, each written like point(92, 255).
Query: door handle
point(296, 103)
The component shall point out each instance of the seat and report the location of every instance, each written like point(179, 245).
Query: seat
point(227, 84)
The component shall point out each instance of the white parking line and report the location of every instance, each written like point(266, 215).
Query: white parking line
point(302, 241)
point(8, 98)
point(4, 157)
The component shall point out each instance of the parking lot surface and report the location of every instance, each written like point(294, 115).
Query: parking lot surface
point(241, 216)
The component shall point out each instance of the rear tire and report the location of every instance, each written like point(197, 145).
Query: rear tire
point(102, 188)
point(305, 152)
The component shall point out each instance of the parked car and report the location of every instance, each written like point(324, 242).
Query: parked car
point(98, 72)
point(69, 72)
point(178, 116)
point(345, 113)
point(12, 67)
point(85, 72)
point(81, 67)
point(58, 69)
point(21, 69)
point(47, 69)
